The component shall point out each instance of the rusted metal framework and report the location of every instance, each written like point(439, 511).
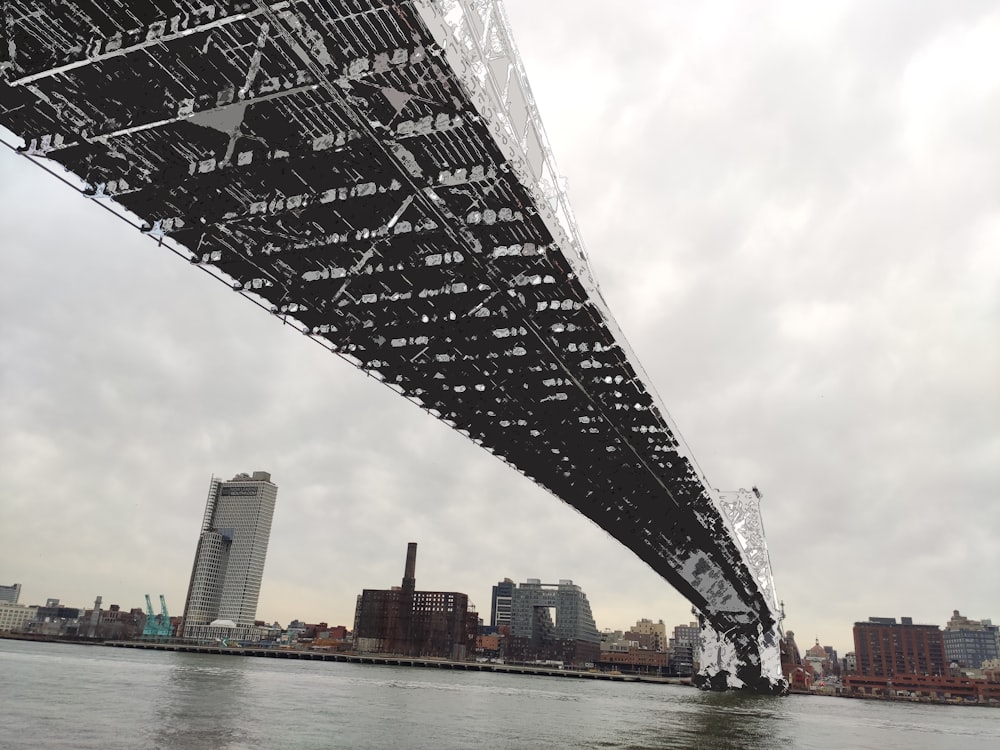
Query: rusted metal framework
point(375, 172)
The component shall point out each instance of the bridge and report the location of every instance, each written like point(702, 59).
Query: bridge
point(375, 173)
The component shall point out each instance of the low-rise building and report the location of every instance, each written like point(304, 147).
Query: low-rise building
point(488, 645)
point(634, 660)
point(613, 640)
point(113, 623)
point(991, 670)
point(922, 686)
point(55, 620)
point(14, 617)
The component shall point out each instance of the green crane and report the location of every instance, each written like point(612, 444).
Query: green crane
point(157, 626)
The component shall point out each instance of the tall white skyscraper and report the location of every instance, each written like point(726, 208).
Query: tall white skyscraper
point(229, 562)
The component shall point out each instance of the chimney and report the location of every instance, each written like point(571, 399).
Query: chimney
point(95, 618)
point(409, 575)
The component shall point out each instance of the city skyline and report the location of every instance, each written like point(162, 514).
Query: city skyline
point(800, 249)
point(486, 618)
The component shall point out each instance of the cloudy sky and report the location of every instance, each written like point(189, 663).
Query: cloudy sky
point(793, 210)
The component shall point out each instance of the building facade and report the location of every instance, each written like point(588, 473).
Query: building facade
point(229, 560)
point(113, 623)
point(501, 604)
point(685, 649)
point(10, 594)
point(14, 617)
point(638, 660)
point(686, 635)
point(552, 622)
point(642, 649)
point(55, 619)
point(968, 643)
point(850, 663)
point(415, 623)
point(649, 634)
point(939, 688)
point(823, 660)
point(884, 648)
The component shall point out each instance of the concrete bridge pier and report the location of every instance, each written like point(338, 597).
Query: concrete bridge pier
point(722, 667)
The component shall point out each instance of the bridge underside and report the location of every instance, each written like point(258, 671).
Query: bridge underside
point(335, 162)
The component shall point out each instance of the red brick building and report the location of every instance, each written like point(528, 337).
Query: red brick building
point(415, 623)
point(488, 643)
point(918, 686)
point(633, 660)
point(884, 648)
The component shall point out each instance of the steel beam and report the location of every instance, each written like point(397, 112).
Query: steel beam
point(376, 173)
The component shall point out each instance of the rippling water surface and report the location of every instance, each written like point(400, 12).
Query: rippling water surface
point(62, 696)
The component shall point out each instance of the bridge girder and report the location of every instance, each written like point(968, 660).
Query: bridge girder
point(366, 172)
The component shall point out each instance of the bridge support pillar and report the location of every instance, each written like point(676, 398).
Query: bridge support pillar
point(722, 667)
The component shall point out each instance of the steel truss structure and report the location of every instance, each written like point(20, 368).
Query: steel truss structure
point(376, 173)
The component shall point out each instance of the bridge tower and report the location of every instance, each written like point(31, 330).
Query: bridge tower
point(719, 653)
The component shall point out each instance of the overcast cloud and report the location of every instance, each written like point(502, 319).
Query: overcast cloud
point(793, 210)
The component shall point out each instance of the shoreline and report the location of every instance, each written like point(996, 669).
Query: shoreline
point(39, 638)
point(398, 661)
point(435, 663)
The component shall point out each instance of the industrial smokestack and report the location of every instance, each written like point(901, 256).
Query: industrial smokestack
point(410, 574)
point(95, 618)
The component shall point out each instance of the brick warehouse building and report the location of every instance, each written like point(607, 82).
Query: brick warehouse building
point(415, 623)
point(884, 648)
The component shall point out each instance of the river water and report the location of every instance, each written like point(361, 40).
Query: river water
point(66, 696)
